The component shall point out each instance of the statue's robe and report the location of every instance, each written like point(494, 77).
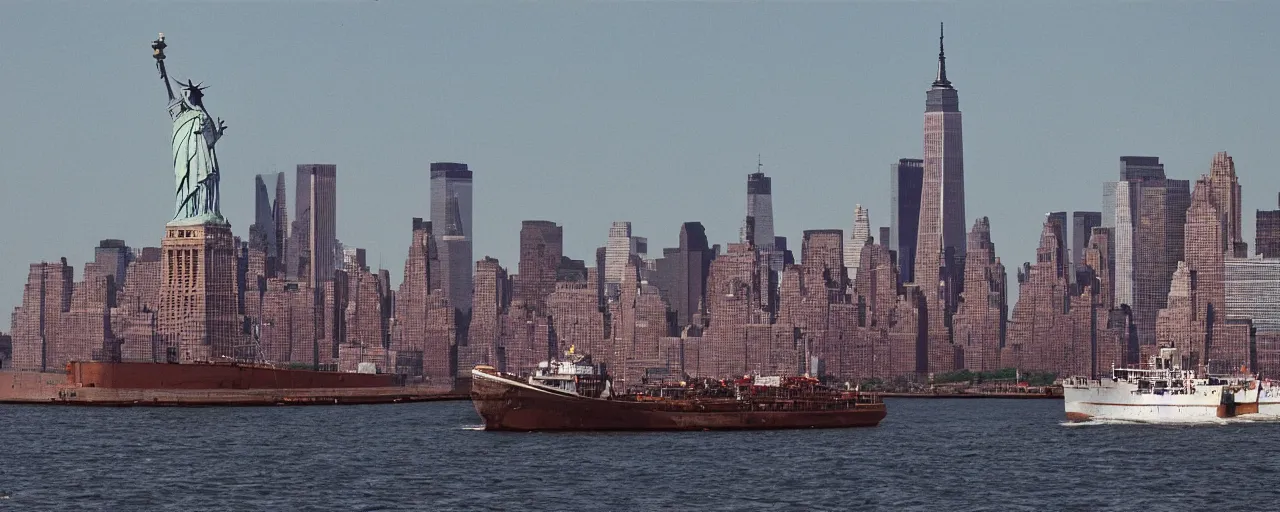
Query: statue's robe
point(195, 164)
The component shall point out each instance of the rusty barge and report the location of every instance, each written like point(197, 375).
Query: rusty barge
point(208, 384)
point(573, 395)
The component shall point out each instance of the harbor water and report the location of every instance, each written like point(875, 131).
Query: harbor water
point(929, 454)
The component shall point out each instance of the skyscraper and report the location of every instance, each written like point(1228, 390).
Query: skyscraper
point(112, 257)
point(757, 229)
point(264, 236)
point(906, 179)
point(682, 273)
point(280, 213)
point(451, 216)
point(1149, 239)
point(857, 239)
point(1059, 222)
point(618, 252)
point(541, 247)
point(1267, 242)
point(315, 237)
point(1204, 240)
point(1122, 222)
point(1226, 199)
point(1082, 224)
point(941, 239)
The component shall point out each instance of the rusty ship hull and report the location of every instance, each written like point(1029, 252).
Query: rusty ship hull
point(506, 403)
point(207, 384)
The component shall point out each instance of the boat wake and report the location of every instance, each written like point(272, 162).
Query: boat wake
point(472, 427)
point(1254, 418)
point(1109, 421)
point(1245, 419)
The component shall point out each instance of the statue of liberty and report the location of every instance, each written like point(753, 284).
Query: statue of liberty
point(195, 162)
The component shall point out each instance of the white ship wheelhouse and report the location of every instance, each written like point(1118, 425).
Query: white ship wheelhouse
point(574, 375)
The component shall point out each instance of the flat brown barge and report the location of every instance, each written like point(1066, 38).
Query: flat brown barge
point(506, 402)
point(207, 384)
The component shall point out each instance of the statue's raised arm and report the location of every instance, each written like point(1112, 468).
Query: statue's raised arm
point(157, 51)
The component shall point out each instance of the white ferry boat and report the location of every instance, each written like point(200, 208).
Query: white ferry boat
point(1163, 391)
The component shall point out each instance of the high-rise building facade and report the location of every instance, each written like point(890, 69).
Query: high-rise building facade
point(1059, 222)
point(857, 240)
point(905, 181)
point(682, 273)
point(617, 252)
point(315, 238)
point(1267, 236)
point(264, 235)
point(822, 263)
point(1149, 242)
point(451, 216)
point(280, 213)
point(1205, 236)
point(1253, 291)
point(1122, 222)
point(1082, 224)
point(1226, 199)
point(940, 249)
point(757, 229)
point(541, 247)
point(112, 258)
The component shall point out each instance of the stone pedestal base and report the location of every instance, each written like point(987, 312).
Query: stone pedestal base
point(197, 292)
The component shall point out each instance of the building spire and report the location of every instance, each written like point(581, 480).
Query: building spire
point(941, 81)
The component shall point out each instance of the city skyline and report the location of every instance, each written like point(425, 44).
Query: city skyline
point(583, 231)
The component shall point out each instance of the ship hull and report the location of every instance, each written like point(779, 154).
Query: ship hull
point(1262, 398)
point(159, 384)
point(508, 404)
point(1120, 401)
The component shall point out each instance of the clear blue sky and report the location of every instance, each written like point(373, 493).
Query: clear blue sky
point(585, 113)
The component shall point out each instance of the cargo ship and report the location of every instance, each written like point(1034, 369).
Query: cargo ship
point(1163, 391)
point(573, 394)
point(208, 384)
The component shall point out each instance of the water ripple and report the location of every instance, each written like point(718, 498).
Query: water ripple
point(957, 455)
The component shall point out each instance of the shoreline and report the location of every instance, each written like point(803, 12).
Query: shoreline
point(67, 389)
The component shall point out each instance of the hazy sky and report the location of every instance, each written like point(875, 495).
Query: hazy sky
point(586, 113)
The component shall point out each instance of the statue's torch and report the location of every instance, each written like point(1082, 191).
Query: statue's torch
point(157, 51)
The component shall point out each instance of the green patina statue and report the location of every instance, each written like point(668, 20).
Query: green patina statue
point(195, 162)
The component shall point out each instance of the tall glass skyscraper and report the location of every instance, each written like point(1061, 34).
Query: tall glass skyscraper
point(905, 179)
point(451, 222)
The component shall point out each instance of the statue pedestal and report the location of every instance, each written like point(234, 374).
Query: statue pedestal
point(197, 311)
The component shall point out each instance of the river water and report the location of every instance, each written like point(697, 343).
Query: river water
point(950, 455)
